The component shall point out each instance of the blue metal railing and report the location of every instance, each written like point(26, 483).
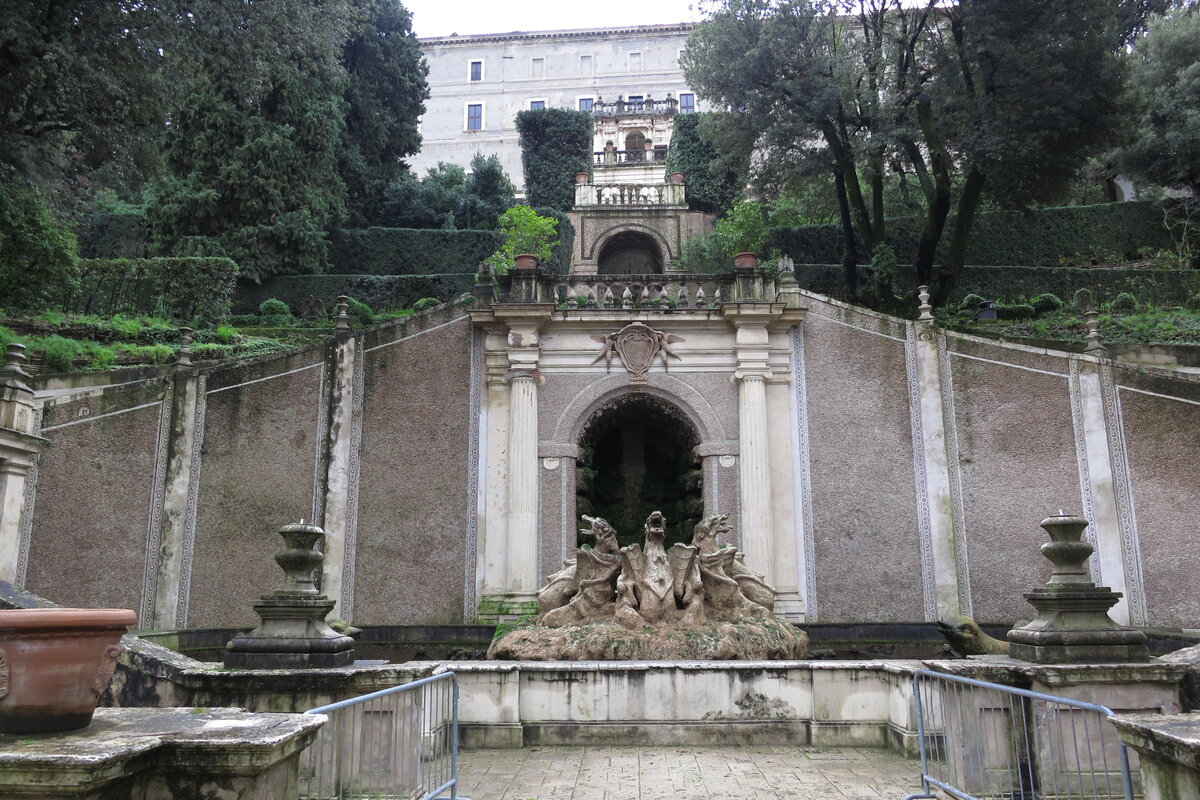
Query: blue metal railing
point(399, 742)
point(986, 740)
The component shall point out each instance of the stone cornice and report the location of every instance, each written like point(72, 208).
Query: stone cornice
point(580, 33)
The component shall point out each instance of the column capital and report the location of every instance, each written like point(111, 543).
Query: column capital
point(753, 373)
point(767, 315)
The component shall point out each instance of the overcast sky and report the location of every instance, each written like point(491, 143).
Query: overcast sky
point(444, 17)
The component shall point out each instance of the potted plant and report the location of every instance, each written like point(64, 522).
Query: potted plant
point(743, 232)
point(528, 238)
point(55, 663)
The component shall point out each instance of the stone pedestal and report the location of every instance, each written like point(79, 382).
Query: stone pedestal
point(159, 754)
point(293, 633)
point(19, 445)
point(1072, 624)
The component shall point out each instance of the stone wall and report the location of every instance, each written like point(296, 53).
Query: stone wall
point(921, 463)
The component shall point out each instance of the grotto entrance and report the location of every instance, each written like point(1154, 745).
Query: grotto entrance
point(630, 253)
point(637, 457)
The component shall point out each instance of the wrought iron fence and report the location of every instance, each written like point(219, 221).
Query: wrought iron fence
point(400, 742)
point(986, 740)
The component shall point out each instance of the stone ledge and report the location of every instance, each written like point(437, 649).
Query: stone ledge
point(1170, 737)
point(128, 747)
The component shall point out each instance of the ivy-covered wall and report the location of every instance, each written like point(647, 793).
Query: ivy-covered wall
point(409, 251)
point(1157, 286)
point(1049, 237)
point(380, 292)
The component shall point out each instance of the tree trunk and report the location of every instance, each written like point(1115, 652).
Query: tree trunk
point(849, 246)
point(968, 206)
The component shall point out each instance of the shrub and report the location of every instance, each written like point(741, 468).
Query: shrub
point(690, 154)
point(409, 251)
point(179, 288)
point(1193, 303)
point(744, 228)
point(705, 255)
point(971, 302)
point(360, 312)
point(1046, 302)
point(556, 143)
point(38, 266)
point(114, 235)
point(274, 313)
point(1083, 300)
point(58, 353)
point(525, 231)
point(426, 303)
point(1018, 311)
point(1124, 302)
point(225, 334)
point(1048, 237)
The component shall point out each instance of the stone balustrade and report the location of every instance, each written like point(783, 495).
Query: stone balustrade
point(630, 194)
point(656, 155)
point(680, 292)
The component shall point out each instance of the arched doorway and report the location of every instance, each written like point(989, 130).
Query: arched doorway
point(635, 142)
point(630, 253)
point(637, 457)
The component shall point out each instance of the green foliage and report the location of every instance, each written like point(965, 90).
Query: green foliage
point(560, 258)
point(225, 334)
point(360, 312)
point(108, 235)
point(426, 303)
point(1039, 238)
point(255, 173)
point(405, 251)
point(1045, 302)
point(180, 288)
point(709, 188)
point(384, 96)
point(1164, 88)
point(489, 193)
point(884, 266)
point(970, 302)
point(744, 228)
point(704, 255)
point(38, 266)
point(1124, 302)
point(274, 313)
point(1082, 300)
point(525, 231)
point(556, 143)
point(379, 291)
point(1193, 303)
point(447, 197)
point(1015, 311)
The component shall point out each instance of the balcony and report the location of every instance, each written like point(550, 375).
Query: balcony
point(647, 107)
point(630, 194)
point(617, 158)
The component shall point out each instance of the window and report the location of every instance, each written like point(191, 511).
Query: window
point(537, 68)
point(687, 103)
point(586, 67)
point(536, 105)
point(634, 103)
point(475, 71)
point(635, 62)
point(474, 116)
point(585, 103)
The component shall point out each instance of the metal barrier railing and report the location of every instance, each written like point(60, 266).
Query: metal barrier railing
point(400, 742)
point(986, 740)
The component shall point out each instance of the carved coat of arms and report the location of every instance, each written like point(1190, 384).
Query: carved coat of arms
point(637, 345)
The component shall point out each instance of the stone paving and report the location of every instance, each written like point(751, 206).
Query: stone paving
point(686, 773)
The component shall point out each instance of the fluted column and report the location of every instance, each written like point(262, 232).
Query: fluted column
point(755, 472)
point(522, 483)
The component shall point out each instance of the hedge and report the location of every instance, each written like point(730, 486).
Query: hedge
point(556, 143)
point(409, 251)
point(560, 259)
point(1164, 287)
point(380, 292)
point(1049, 237)
point(114, 236)
point(179, 288)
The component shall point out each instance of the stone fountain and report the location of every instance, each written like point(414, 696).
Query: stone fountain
point(643, 602)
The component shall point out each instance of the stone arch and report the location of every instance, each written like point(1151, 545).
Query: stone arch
point(601, 241)
point(695, 407)
point(630, 253)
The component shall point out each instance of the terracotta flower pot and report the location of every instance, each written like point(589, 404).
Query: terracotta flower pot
point(525, 261)
point(55, 663)
point(581, 177)
point(677, 177)
point(745, 260)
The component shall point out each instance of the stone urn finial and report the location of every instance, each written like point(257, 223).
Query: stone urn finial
point(343, 313)
point(924, 310)
point(1095, 341)
point(184, 357)
point(13, 375)
point(1072, 624)
point(292, 633)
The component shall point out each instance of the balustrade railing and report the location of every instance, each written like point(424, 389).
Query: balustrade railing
point(630, 194)
point(668, 292)
point(657, 155)
point(643, 106)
